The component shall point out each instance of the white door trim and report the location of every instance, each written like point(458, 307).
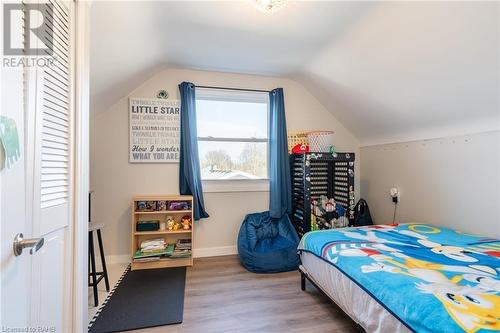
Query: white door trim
point(81, 167)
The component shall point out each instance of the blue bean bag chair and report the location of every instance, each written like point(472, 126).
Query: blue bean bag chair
point(268, 245)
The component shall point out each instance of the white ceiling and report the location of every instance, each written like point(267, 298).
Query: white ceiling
point(388, 71)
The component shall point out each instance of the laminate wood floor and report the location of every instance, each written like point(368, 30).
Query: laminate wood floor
point(221, 296)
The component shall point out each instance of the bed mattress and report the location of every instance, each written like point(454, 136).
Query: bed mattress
point(408, 277)
point(353, 300)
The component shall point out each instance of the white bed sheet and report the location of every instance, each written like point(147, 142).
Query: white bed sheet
point(351, 298)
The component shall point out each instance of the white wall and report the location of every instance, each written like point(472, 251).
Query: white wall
point(412, 70)
point(115, 181)
point(450, 182)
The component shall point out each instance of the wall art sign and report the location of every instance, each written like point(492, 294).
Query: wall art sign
point(154, 130)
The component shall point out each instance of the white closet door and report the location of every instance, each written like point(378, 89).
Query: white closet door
point(52, 176)
point(15, 272)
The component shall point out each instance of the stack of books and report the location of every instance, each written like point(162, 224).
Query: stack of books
point(153, 250)
point(182, 249)
point(153, 245)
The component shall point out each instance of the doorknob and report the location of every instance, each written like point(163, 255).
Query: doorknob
point(20, 243)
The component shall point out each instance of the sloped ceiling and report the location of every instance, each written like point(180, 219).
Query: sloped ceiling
point(389, 71)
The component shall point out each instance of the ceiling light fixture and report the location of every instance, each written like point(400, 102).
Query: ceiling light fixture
point(269, 6)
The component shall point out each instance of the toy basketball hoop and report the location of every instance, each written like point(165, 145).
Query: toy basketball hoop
point(320, 141)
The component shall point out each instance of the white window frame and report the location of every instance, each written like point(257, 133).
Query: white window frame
point(236, 185)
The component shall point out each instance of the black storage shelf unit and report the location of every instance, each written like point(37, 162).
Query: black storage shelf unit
point(321, 174)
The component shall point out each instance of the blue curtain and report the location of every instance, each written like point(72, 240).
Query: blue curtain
point(189, 168)
point(280, 181)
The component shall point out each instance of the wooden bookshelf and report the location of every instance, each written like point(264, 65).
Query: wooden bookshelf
point(170, 236)
point(159, 232)
point(162, 212)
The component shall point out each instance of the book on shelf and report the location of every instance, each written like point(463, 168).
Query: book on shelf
point(183, 244)
point(153, 245)
point(166, 251)
point(147, 259)
point(181, 254)
point(182, 249)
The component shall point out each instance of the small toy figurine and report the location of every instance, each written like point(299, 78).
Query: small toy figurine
point(170, 223)
point(176, 226)
point(161, 205)
point(141, 206)
point(178, 205)
point(150, 206)
point(186, 222)
point(300, 149)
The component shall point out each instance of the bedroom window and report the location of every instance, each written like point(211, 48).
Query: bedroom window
point(233, 139)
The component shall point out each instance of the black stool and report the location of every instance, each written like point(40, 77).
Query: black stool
point(96, 277)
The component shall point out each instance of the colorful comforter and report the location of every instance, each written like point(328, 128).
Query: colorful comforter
point(432, 279)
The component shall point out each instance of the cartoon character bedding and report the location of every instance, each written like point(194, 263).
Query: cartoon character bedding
point(432, 279)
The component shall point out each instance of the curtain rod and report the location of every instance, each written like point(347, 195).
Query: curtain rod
point(236, 89)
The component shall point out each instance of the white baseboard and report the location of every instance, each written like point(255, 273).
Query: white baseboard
point(115, 259)
point(215, 251)
point(197, 253)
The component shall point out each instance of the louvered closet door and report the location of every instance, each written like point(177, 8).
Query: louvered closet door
point(52, 186)
point(54, 111)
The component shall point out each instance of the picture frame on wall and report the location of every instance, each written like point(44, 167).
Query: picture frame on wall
point(154, 130)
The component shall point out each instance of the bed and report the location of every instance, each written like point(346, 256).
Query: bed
point(407, 277)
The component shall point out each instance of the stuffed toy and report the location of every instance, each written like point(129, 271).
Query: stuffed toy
point(300, 149)
point(186, 222)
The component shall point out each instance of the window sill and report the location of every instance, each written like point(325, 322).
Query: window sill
point(243, 185)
